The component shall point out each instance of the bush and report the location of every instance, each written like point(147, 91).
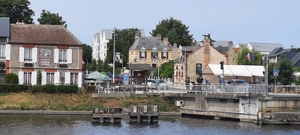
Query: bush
point(13, 88)
point(12, 78)
point(90, 89)
point(67, 88)
point(49, 88)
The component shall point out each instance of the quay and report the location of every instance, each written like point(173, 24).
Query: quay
point(105, 116)
point(255, 103)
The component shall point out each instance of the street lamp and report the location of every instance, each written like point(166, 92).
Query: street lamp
point(114, 55)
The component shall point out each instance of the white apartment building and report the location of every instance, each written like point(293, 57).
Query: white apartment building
point(99, 45)
point(100, 41)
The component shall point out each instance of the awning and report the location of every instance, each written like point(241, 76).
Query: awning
point(237, 70)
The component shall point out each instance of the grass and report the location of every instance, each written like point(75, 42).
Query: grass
point(76, 102)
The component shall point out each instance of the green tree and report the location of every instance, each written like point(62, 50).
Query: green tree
point(51, 18)
point(242, 57)
point(286, 71)
point(166, 70)
point(87, 55)
point(175, 30)
point(16, 10)
point(124, 39)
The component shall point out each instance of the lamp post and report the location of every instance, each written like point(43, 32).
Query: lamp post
point(87, 71)
point(114, 55)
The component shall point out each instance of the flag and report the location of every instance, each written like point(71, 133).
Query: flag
point(250, 57)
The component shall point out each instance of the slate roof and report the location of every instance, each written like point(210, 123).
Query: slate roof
point(42, 34)
point(148, 43)
point(188, 48)
point(222, 43)
point(290, 54)
point(265, 47)
point(222, 49)
point(141, 67)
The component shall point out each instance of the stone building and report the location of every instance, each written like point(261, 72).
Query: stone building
point(49, 51)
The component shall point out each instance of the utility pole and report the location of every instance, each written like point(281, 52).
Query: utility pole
point(114, 56)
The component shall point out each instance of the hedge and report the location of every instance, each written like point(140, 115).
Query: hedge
point(4, 88)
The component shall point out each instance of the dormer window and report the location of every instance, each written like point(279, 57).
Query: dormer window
point(164, 53)
point(143, 53)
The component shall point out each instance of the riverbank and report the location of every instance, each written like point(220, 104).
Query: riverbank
point(76, 103)
point(43, 112)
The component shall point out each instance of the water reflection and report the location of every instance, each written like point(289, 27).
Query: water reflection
point(79, 124)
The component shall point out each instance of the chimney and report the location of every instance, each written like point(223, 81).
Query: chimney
point(20, 22)
point(194, 43)
point(175, 45)
point(292, 46)
point(166, 41)
point(158, 36)
point(137, 35)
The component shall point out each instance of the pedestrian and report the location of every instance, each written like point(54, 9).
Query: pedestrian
point(187, 83)
point(199, 83)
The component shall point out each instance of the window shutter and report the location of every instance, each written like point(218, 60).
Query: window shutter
point(34, 55)
point(69, 53)
point(167, 55)
point(145, 55)
point(21, 77)
point(162, 55)
point(67, 77)
point(21, 54)
point(33, 78)
point(79, 79)
point(7, 52)
point(44, 78)
point(56, 55)
point(56, 78)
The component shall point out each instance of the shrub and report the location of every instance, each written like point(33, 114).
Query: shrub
point(49, 88)
point(12, 78)
point(67, 88)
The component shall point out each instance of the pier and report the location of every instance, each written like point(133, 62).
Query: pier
point(142, 115)
point(108, 115)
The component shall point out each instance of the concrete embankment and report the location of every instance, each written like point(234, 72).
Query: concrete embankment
point(43, 112)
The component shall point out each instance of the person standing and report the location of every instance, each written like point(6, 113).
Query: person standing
point(187, 83)
point(199, 83)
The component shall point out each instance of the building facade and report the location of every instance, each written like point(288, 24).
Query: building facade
point(45, 54)
point(150, 50)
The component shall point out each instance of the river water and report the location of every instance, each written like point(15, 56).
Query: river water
point(168, 125)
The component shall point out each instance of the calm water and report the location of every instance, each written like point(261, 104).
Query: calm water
point(83, 125)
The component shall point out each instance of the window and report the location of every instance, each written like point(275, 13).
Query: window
point(143, 54)
point(74, 78)
point(2, 52)
point(27, 77)
point(62, 55)
point(27, 54)
point(50, 78)
point(165, 55)
point(154, 55)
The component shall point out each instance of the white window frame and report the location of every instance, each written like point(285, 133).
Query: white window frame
point(50, 78)
point(74, 78)
point(27, 78)
point(27, 54)
point(2, 52)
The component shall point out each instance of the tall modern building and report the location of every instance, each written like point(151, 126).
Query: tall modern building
point(100, 41)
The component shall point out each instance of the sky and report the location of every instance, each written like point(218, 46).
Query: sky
point(240, 21)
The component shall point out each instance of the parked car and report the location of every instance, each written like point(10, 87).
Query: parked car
point(149, 82)
point(236, 82)
point(159, 85)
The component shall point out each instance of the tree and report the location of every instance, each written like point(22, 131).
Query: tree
point(175, 30)
point(243, 60)
point(286, 71)
point(16, 10)
point(51, 18)
point(166, 70)
point(124, 39)
point(87, 54)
